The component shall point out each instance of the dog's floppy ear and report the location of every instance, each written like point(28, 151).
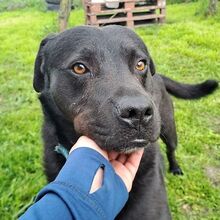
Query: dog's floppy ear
point(152, 67)
point(38, 82)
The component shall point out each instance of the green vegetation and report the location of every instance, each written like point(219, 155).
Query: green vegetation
point(11, 5)
point(186, 48)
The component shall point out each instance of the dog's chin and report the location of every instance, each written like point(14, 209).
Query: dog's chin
point(133, 146)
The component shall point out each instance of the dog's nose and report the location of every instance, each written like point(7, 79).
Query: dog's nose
point(135, 110)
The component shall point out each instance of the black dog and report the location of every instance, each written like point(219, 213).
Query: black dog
point(102, 83)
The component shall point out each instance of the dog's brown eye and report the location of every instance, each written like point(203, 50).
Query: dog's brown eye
point(140, 65)
point(79, 68)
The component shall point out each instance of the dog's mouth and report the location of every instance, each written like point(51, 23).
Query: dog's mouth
point(129, 146)
point(139, 141)
point(122, 141)
point(133, 146)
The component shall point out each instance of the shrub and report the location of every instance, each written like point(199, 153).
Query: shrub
point(10, 5)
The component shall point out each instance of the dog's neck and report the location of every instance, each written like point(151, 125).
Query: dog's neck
point(65, 133)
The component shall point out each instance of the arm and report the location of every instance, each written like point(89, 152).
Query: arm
point(69, 197)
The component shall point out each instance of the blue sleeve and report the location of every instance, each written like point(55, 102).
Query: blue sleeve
point(68, 197)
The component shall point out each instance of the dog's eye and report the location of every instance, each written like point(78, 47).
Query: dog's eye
point(79, 68)
point(141, 65)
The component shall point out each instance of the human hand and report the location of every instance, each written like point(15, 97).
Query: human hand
point(125, 165)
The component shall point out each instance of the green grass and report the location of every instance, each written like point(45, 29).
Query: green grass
point(186, 48)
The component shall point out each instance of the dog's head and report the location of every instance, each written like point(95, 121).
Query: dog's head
point(101, 80)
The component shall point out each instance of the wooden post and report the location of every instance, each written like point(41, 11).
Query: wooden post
point(64, 12)
point(212, 9)
point(129, 20)
point(162, 4)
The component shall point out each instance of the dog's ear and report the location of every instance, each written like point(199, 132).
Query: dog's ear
point(152, 67)
point(38, 81)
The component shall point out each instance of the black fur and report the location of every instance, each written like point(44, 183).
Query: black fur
point(113, 103)
point(187, 91)
point(168, 131)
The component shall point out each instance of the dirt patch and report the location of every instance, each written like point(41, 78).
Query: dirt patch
point(214, 124)
point(187, 208)
point(213, 174)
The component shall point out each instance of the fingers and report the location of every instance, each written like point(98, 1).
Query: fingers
point(122, 158)
point(84, 141)
point(122, 171)
point(133, 161)
point(126, 166)
point(112, 155)
point(135, 157)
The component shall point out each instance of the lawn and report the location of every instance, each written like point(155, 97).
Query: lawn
point(186, 48)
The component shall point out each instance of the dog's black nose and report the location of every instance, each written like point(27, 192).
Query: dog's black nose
point(135, 110)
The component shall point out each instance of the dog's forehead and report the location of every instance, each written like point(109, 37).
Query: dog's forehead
point(91, 40)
